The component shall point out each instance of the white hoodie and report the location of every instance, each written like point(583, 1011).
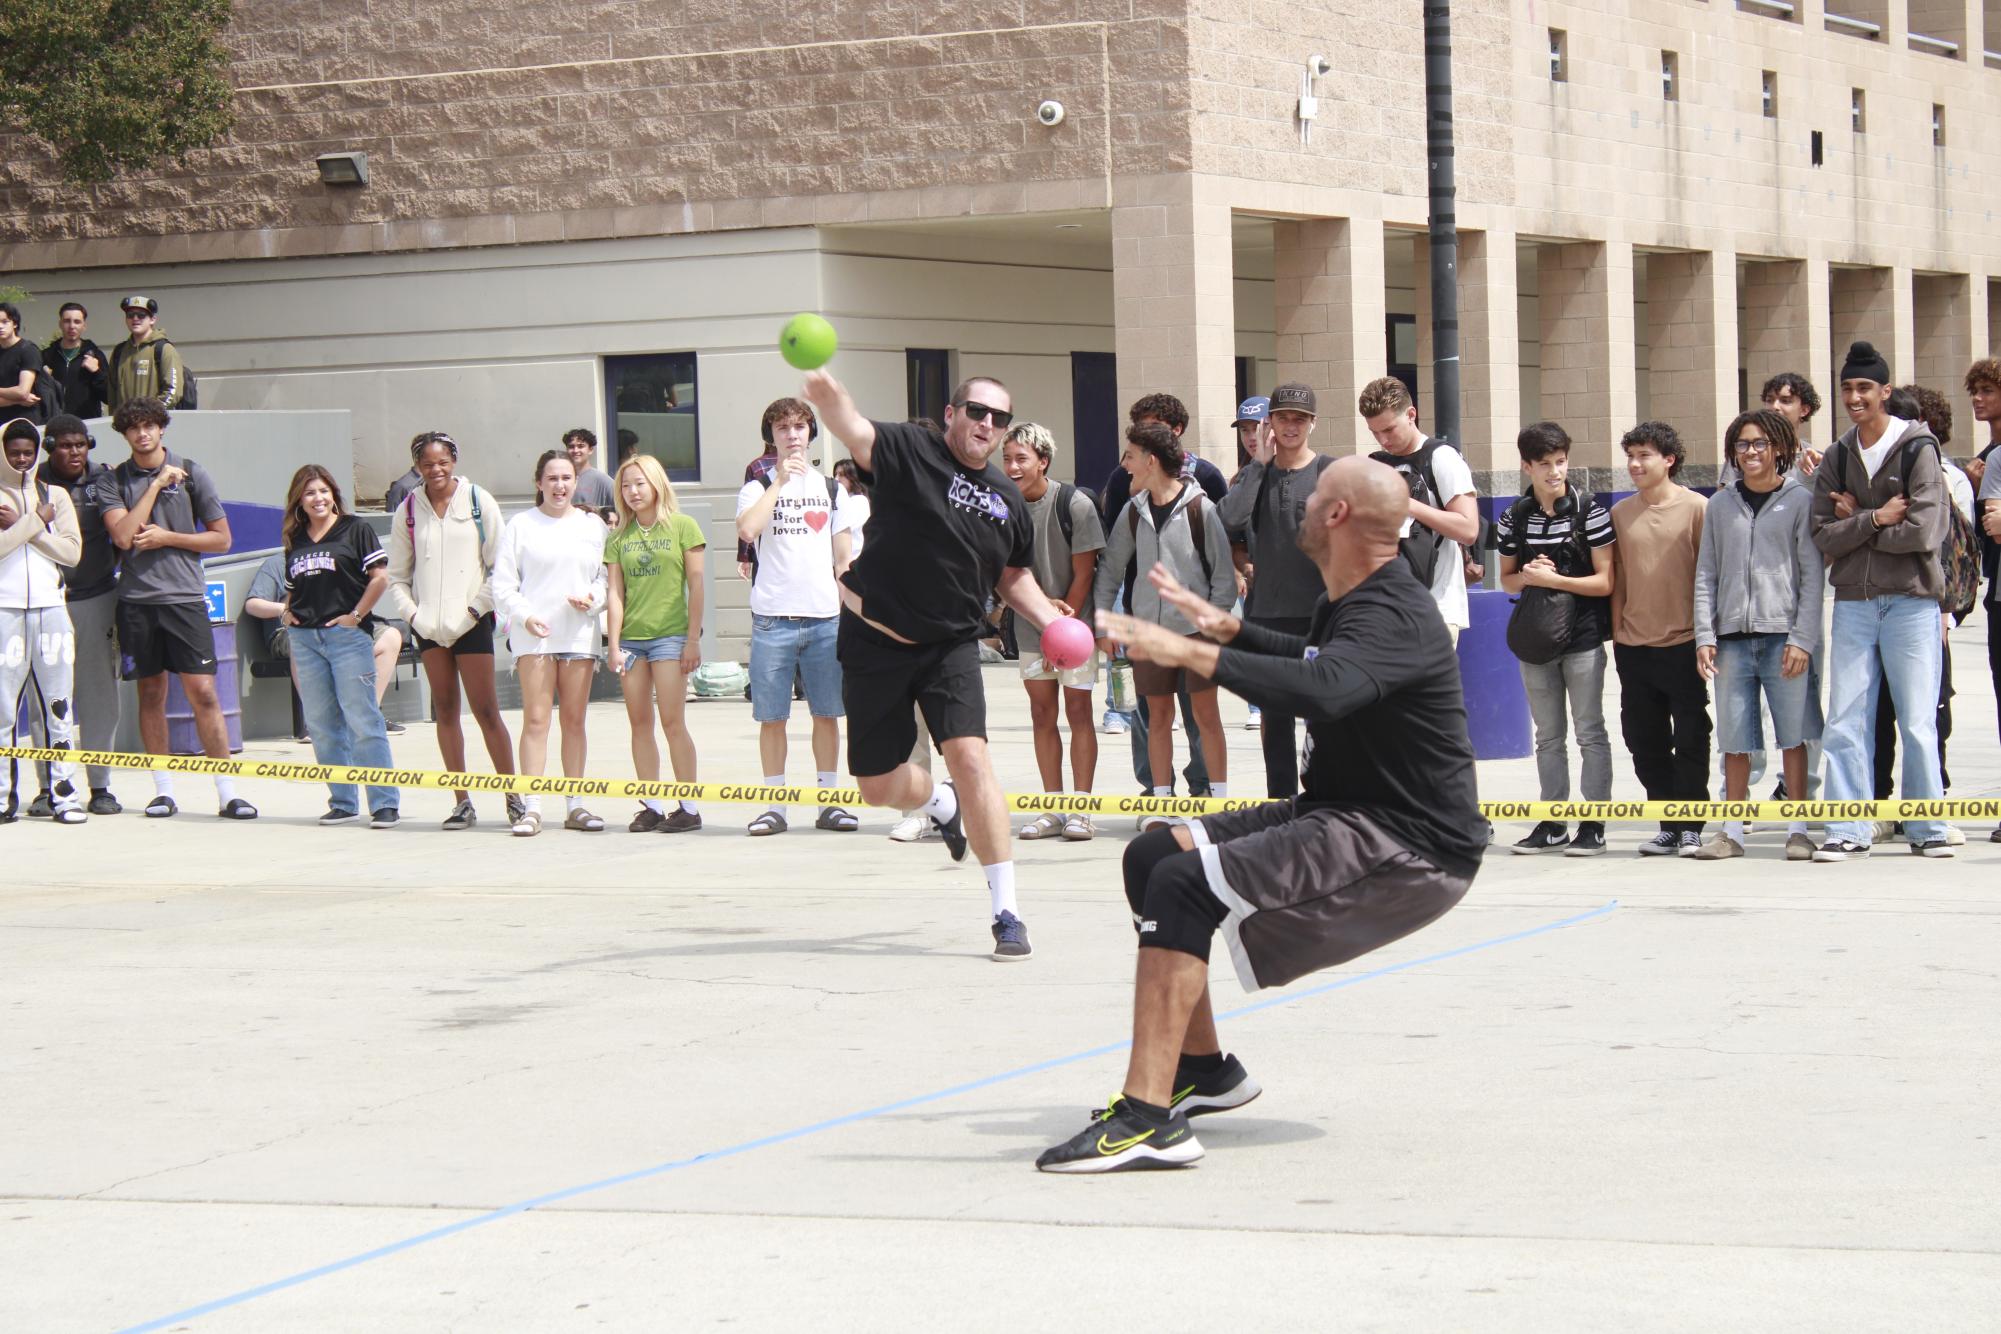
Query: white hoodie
point(33, 555)
point(439, 568)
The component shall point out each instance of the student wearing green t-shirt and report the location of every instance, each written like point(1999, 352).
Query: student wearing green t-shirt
point(654, 563)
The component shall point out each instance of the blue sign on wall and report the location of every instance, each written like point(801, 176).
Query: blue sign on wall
point(217, 611)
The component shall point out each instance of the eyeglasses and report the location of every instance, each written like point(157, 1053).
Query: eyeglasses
point(979, 412)
point(1754, 445)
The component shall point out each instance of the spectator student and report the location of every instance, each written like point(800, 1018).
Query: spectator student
point(595, 491)
point(39, 539)
point(444, 540)
point(1758, 581)
point(335, 573)
point(1443, 513)
point(653, 569)
point(91, 595)
point(1169, 522)
point(20, 370)
point(797, 520)
point(548, 577)
point(1068, 538)
point(164, 514)
point(78, 367)
point(146, 364)
point(1555, 546)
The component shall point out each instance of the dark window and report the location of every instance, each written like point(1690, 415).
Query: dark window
point(1401, 337)
point(928, 371)
point(649, 407)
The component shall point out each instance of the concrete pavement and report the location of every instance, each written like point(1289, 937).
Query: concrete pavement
point(1754, 1095)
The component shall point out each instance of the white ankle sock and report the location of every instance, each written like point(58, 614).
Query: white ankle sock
point(1000, 886)
point(573, 804)
point(689, 807)
point(1167, 791)
point(652, 805)
point(163, 783)
point(943, 805)
point(827, 778)
point(776, 780)
point(225, 789)
point(1219, 789)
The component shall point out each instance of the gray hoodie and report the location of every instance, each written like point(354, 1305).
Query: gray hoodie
point(1900, 560)
point(1130, 537)
point(1760, 574)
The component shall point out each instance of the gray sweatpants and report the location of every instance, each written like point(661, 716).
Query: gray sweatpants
point(36, 652)
point(1576, 680)
point(97, 700)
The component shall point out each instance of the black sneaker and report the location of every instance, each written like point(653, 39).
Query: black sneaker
point(1933, 847)
point(1011, 938)
point(1840, 850)
point(386, 818)
point(1120, 1139)
point(1198, 1093)
point(1549, 836)
point(953, 831)
point(1691, 842)
point(337, 815)
point(1590, 840)
point(43, 807)
point(1995, 837)
point(647, 820)
point(393, 728)
point(680, 820)
point(1663, 844)
point(463, 816)
point(103, 803)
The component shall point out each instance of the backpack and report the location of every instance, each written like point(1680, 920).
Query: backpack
point(410, 516)
point(1197, 529)
point(1543, 619)
point(1421, 548)
point(1959, 553)
point(190, 395)
point(833, 503)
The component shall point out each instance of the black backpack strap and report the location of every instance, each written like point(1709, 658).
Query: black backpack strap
point(1199, 531)
point(1064, 519)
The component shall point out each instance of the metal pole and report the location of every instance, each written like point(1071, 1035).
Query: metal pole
point(1444, 222)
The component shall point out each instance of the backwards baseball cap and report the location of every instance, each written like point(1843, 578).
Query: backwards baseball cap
point(1865, 363)
point(1255, 409)
point(145, 303)
point(1293, 396)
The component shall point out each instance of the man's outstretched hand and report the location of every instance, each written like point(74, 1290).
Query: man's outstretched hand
point(1208, 621)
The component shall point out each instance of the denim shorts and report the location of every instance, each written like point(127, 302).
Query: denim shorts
point(784, 646)
point(1748, 668)
point(667, 648)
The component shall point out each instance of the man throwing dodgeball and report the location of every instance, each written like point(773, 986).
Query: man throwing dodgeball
point(1384, 837)
point(947, 526)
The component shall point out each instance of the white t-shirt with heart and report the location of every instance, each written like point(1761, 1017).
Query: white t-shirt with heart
point(795, 552)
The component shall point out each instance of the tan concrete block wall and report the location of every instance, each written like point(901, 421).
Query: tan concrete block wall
point(488, 124)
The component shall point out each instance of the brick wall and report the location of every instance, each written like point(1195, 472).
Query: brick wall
point(617, 117)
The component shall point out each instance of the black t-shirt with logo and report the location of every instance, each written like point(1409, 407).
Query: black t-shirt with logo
point(1377, 680)
point(939, 536)
point(326, 578)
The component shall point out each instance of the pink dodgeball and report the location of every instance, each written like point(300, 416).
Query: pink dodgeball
point(1066, 643)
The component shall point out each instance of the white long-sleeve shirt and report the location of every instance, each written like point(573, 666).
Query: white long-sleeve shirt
point(543, 562)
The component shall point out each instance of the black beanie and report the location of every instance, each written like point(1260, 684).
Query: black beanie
point(64, 424)
point(1865, 363)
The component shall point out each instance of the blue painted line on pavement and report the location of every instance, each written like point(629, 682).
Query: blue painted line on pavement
point(820, 1127)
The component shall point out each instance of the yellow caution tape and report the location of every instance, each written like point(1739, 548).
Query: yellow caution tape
point(758, 794)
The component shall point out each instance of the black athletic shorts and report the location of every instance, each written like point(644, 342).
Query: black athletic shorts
point(477, 640)
point(884, 681)
point(155, 637)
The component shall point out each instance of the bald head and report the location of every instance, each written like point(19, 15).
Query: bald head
point(1377, 495)
point(1355, 514)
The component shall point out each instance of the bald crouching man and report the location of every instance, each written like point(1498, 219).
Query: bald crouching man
point(1385, 837)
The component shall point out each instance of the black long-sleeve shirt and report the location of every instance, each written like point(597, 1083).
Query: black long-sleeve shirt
point(1376, 678)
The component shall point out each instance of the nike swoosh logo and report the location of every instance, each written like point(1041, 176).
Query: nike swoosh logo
point(1176, 1100)
point(1109, 1147)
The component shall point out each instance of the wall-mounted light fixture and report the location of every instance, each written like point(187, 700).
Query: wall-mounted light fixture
point(342, 168)
point(1309, 105)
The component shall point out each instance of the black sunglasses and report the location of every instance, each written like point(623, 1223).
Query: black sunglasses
point(979, 412)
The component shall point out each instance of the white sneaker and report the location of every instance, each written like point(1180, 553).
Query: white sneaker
point(913, 829)
point(1113, 725)
point(1955, 837)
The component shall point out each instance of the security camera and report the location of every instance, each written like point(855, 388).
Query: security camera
point(1317, 66)
point(1050, 113)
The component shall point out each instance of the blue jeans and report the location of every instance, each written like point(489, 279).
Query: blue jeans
point(784, 646)
point(1886, 639)
point(335, 669)
point(1750, 669)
